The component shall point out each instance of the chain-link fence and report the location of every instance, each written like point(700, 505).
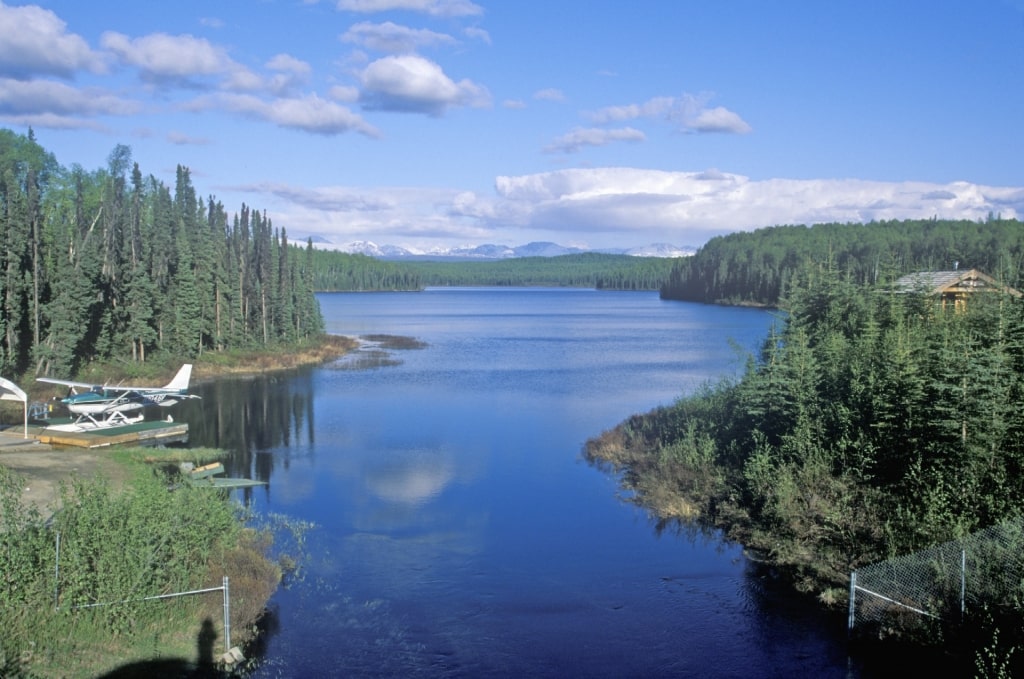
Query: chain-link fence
point(941, 584)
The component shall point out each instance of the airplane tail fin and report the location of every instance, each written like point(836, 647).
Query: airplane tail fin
point(180, 381)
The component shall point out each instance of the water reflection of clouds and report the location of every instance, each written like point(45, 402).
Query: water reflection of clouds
point(411, 477)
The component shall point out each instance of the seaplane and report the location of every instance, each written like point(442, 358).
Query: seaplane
point(103, 405)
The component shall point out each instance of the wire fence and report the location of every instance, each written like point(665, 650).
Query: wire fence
point(225, 589)
point(942, 584)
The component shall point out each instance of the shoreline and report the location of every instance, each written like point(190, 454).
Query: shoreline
point(44, 467)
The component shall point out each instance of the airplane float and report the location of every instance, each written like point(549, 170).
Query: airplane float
point(108, 406)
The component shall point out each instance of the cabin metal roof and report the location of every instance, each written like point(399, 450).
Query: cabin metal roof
point(946, 282)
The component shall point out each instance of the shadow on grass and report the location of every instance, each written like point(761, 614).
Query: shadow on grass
point(176, 667)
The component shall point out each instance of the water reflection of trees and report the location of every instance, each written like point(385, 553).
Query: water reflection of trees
point(249, 417)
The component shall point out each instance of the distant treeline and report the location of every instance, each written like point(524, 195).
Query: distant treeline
point(759, 267)
point(111, 265)
point(337, 272)
point(344, 272)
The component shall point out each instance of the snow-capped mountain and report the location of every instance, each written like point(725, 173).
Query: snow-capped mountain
point(490, 251)
point(661, 250)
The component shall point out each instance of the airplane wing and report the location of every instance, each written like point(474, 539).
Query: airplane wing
point(69, 383)
point(176, 385)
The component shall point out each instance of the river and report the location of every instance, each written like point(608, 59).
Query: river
point(456, 531)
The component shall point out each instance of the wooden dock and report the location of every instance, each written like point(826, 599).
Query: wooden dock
point(155, 433)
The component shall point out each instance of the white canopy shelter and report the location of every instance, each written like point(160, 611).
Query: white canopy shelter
point(9, 391)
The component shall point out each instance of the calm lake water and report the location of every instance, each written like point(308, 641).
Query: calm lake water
point(458, 533)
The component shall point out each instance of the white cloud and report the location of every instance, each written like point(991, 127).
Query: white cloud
point(674, 203)
point(160, 56)
point(406, 214)
point(652, 108)
point(689, 112)
point(289, 74)
point(444, 8)
point(42, 97)
point(185, 60)
point(35, 41)
point(392, 38)
point(285, 63)
point(411, 83)
point(477, 33)
point(549, 94)
point(718, 119)
point(54, 121)
point(593, 136)
point(344, 93)
point(617, 207)
point(243, 80)
point(308, 114)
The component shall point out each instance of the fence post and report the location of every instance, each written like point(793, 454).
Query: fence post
point(853, 602)
point(963, 583)
point(227, 616)
point(56, 574)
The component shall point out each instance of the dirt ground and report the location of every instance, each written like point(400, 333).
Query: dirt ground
point(43, 468)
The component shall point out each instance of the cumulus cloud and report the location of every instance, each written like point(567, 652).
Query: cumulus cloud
point(939, 195)
point(308, 114)
point(51, 98)
point(162, 57)
point(617, 206)
point(594, 136)
point(407, 214)
point(658, 107)
point(476, 33)
point(549, 94)
point(331, 199)
point(414, 84)
point(689, 112)
point(54, 121)
point(285, 63)
point(718, 119)
point(35, 41)
point(392, 38)
point(344, 93)
point(289, 74)
point(674, 203)
point(441, 8)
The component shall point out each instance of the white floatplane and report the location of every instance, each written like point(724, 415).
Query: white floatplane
point(107, 406)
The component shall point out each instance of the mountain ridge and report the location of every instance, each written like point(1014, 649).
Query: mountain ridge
point(490, 251)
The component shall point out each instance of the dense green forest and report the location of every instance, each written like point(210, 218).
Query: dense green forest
point(333, 271)
point(112, 265)
point(589, 270)
point(758, 267)
point(872, 424)
point(344, 272)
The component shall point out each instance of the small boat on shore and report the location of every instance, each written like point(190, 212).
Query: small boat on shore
point(209, 476)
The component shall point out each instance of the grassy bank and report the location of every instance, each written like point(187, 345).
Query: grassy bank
point(120, 541)
point(71, 589)
point(211, 365)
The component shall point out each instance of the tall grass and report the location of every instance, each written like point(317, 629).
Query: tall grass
point(71, 589)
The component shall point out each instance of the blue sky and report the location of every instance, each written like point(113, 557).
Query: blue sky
point(597, 123)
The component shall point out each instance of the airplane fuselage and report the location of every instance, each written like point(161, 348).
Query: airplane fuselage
point(100, 401)
point(106, 405)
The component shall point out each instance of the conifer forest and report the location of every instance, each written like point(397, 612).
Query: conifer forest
point(112, 264)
